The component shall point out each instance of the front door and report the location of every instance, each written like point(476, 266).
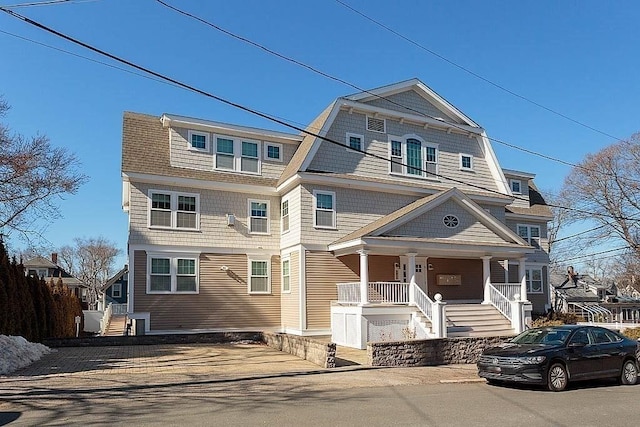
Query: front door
point(402, 272)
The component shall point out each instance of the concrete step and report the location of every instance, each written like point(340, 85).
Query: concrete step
point(476, 320)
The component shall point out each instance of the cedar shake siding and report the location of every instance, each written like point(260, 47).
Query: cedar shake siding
point(291, 301)
point(223, 301)
point(324, 272)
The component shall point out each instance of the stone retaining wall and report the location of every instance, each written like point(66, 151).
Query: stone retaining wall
point(441, 351)
point(320, 353)
point(210, 337)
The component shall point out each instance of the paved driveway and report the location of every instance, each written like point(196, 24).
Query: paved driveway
point(119, 385)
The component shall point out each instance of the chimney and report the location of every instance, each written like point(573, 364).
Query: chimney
point(54, 258)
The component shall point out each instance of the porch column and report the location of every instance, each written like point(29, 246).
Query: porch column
point(411, 274)
point(486, 278)
point(523, 279)
point(364, 276)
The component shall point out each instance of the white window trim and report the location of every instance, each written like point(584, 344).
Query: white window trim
point(511, 181)
point(173, 271)
point(315, 208)
point(384, 121)
point(423, 147)
point(237, 154)
point(113, 290)
point(266, 151)
point(348, 142)
point(529, 287)
point(268, 217)
point(250, 259)
point(282, 230)
point(462, 168)
point(207, 145)
point(174, 210)
point(529, 227)
point(286, 259)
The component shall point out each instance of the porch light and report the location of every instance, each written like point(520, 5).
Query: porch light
point(224, 268)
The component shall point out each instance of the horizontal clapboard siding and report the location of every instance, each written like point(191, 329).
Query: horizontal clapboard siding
point(323, 272)
point(222, 303)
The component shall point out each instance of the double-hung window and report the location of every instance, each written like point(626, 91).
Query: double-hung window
point(284, 213)
point(258, 217)
point(324, 209)
point(171, 209)
point(240, 155)
point(250, 159)
point(286, 275)
point(198, 141)
point(412, 157)
point(259, 278)
point(116, 290)
point(534, 280)
point(172, 273)
point(516, 186)
point(530, 233)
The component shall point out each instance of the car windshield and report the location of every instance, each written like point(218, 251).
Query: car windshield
point(542, 336)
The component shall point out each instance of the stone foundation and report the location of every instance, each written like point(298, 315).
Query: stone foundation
point(322, 354)
point(440, 351)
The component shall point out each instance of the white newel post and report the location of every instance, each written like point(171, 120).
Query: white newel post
point(364, 276)
point(523, 279)
point(517, 314)
point(486, 278)
point(438, 313)
point(411, 273)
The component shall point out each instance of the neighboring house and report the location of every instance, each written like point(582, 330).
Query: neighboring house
point(114, 291)
point(237, 228)
point(595, 300)
point(49, 269)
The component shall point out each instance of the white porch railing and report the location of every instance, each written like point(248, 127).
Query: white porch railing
point(377, 292)
point(106, 318)
point(509, 290)
point(423, 302)
point(118, 309)
point(500, 301)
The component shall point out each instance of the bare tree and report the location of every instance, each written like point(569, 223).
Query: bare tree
point(34, 175)
point(557, 248)
point(90, 260)
point(604, 191)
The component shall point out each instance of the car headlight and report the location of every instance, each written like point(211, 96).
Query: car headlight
point(533, 360)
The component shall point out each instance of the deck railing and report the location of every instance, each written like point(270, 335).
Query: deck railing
point(118, 309)
point(106, 319)
point(500, 301)
point(377, 292)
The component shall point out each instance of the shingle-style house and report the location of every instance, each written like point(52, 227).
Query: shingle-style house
point(48, 270)
point(389, 206)
point(114, 292)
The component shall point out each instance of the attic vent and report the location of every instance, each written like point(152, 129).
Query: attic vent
point(375, 124)
point(450, 221)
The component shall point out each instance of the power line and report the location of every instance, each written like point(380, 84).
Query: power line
point(354, 86)
point(478, 76)
point(256, 112)
point(598, 253)
point(47, 3)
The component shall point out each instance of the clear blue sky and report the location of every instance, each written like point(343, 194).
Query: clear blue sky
point(580, 58)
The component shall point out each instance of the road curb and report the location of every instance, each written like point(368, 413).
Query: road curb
point(463, 381)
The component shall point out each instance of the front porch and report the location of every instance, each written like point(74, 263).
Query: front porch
point(397, 311)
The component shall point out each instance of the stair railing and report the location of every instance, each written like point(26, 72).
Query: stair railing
point(500, 302)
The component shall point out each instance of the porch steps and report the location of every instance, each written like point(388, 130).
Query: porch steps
point(117, 326)
point(476, 320)
point(424, 323)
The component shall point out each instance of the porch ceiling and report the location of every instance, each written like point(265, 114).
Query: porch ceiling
point(431, 247)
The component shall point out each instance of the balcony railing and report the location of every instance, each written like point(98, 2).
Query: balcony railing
point(509, 290)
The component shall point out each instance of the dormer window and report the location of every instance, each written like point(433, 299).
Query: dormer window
point(466, 162)
point(240, 155)
point(198, 141)
point(516, 186)
point(413, 157)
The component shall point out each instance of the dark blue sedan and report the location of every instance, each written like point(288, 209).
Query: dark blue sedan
point(555, 355)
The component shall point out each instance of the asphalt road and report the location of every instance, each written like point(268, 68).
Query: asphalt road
point(252, 385)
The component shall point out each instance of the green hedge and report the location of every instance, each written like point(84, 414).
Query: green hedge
point(31, 308)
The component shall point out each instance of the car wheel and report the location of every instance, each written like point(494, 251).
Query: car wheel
point(629, 375)
point(557, 377)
